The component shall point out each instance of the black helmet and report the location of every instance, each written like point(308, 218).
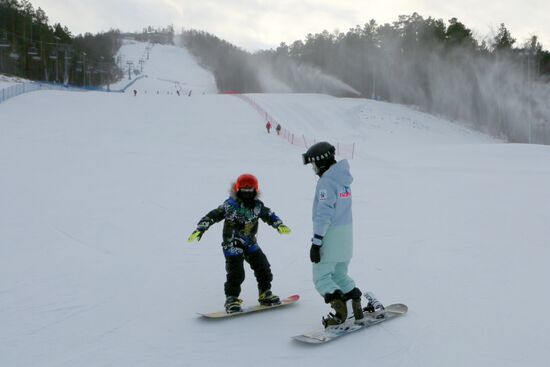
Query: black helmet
point(321, 156)
point(319, 152)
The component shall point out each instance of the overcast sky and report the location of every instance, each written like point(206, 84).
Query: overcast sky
point(260, 24)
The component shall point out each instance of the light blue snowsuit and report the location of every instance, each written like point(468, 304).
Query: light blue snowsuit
point(332, 220)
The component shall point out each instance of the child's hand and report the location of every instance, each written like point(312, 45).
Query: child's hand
point(283, 229)
point(195, 236)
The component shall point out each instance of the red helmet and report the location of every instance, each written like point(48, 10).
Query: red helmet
point(246, 181)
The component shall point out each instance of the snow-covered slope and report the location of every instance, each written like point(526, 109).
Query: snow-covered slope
point(99, 192)
point(167, 70)
point(8, 81)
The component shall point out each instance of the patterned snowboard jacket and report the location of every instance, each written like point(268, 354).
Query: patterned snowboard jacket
point(240, 223)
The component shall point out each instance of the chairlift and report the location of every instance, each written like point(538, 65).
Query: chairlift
point(4, 41)
point(32, 51)
point(14, 55)
point(78, 68)
point(53, 55)
point(69, 52)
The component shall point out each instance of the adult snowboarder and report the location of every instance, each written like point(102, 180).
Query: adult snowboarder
point(332, 242)
point(241, 212)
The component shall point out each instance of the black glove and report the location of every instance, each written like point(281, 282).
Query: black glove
point(315, 254)
point(203, 226)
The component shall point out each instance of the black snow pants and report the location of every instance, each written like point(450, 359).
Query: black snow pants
point(234, 266)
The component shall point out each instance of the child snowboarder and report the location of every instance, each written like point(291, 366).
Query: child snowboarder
point(241, 212)
point(332, 242)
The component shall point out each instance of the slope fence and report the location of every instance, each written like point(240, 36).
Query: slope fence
point(123, 89)
point(345, 150)
point(22, 88)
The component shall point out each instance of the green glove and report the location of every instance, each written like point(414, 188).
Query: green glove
point(283, 229)
point(195, 236)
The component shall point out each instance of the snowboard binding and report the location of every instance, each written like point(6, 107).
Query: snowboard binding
point(331, 320)
point(374, 306)
point(233, 304)
point(267, 298)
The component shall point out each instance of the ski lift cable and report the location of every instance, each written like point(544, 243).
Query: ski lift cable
point(33, 50)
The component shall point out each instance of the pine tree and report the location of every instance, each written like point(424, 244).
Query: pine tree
point(458, 35)
point(503, 40)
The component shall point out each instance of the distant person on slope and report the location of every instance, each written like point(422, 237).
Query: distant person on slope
point(241, 212)
point(278, 129)
point(332, 243)
point(268, 126)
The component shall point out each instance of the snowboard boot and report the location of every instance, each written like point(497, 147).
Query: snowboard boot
point(233, 304)
point(355, 296)
point(338, 303)
point(267, 298)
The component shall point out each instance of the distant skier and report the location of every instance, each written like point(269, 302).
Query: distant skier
point(135, 92)
point(241, 212)
point(278, 129)
point(332, 242)
point(268, 126)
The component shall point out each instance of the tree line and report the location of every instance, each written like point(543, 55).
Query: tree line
point(160, 35)
point(31, 48)
point(494, 85)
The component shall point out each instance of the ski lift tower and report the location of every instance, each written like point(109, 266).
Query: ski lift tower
point(4, 44)
point(68, 51)
point(101, 71)
point(54, 55)
point(130, 64)
point(84, 68)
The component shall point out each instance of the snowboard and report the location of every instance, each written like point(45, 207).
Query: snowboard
point(325, 335)
point(249, 309)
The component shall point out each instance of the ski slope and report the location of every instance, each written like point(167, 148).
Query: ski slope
point(99, 192)
point(8, 81)
point(167, 69)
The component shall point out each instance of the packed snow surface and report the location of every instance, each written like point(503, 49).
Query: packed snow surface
point(99, 192)
point(166, 70)
point(8, 81)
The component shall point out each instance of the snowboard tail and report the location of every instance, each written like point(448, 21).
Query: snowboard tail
point(249, 309)
point(371, 318)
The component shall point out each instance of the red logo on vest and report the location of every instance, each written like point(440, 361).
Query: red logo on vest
point(346, 194)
